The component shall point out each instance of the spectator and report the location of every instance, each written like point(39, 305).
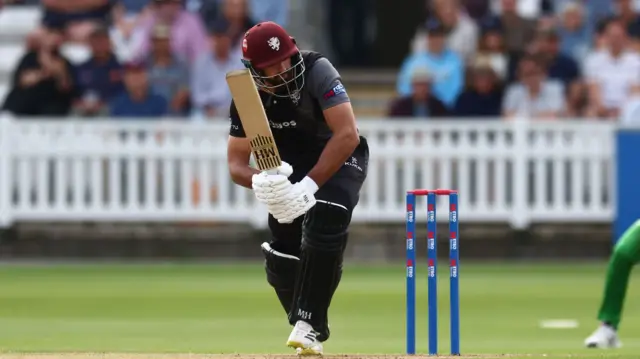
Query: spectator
point(168, 75)
point(483, 98)
point(577, 106)
point(259, 10)
point(210, 94)
point(492, 49)
point(420, 103)
point(518, 31)
point(270, 10)
point(188, 36)
point(138, 100)
point(626, 12)
point(534, 95)
point(236, 12)
point(559, 66)
point(528, 9)
point(477, 9)
point(128, 15)
point(445, 66)
point(42, 83)
point(77, 17)
point(462, 31)
point(575, 31)
point(612, 73)
point(99, 79)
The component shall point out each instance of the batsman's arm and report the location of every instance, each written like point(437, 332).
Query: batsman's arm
point(239, 152)
point(326, 86)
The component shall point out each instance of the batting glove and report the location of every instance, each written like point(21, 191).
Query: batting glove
point(296, 202)
point(269, 187)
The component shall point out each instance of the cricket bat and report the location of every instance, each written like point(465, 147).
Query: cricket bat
point(254, 119)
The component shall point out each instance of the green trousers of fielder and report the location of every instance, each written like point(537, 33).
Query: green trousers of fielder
point(626, 254)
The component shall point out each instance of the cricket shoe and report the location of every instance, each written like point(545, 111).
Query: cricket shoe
point(605, 337)
point(303, 339)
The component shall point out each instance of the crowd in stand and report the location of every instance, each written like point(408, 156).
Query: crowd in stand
point(544, 59)
point(523, 58)
point(148, 58)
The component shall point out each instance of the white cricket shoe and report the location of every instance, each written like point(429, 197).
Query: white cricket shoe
point(303, 339)
point(605, 337)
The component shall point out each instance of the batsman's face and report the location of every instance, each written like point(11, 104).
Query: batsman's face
point(279, 74)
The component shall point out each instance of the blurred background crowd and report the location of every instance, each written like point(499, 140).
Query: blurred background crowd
point(545, 59)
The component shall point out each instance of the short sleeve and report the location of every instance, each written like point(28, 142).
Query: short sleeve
point(326, 85)
point(235, 126)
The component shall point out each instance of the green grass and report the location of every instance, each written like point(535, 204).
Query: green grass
point(231, 309)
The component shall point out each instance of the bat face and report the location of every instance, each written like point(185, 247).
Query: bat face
point(254, 119)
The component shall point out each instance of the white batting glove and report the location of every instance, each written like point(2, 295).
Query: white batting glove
point(296, 202)
point(269, 187)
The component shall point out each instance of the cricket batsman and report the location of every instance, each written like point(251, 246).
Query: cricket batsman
point(312, 196)
point(626, 254)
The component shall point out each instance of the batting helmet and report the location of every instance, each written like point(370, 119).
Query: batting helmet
point(274, 60)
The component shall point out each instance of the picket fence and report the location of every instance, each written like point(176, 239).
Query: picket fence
point(518, 172)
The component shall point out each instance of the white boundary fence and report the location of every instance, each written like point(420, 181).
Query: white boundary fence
point(512, 172)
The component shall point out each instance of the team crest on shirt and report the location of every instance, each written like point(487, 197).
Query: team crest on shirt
point(274, 43)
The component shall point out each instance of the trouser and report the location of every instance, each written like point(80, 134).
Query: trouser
point(625, 255)
point(317, 240)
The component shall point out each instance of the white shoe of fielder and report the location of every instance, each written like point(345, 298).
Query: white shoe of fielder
point(605, 337)
point(303, 339)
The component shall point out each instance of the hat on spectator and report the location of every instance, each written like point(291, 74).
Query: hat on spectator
point(482, 65)
point(161, 32)
point(435, 27)
point(421, 75)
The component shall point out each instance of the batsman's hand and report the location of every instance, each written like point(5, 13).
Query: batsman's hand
point(296, 202)
point(270, 187)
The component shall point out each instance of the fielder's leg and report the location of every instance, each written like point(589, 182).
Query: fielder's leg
point(625, 255)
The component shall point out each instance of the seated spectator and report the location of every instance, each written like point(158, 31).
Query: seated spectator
point(259, 10)
point(168, 75)
point(188, 34)
point(420, 103)
point(626, 12)
point(559, 66)
point(210, 94)
point(42, 84)
point(492, 49)
point(577, 106)
point(462, 31)
point(100, 78)
point(575, 31)
point(128, 15)
point(446, 67)
point(77, 17)
point(270, 10)
point(612, 73)
point(236, 12)
point(518, 31)
point(484, 96)
point(138, 100)
point(477, 9)
point(534, 96)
